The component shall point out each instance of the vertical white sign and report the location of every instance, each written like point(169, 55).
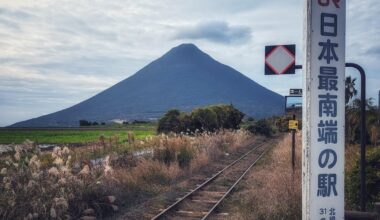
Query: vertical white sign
point(323, 110)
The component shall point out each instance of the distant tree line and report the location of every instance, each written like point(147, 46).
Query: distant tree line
point(210, 118)
point(89, 123)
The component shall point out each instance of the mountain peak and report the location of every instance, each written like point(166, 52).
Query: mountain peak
point(186, 51)
point(187, 47)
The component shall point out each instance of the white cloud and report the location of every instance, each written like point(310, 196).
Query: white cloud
point(75, 49)
point(216, 31)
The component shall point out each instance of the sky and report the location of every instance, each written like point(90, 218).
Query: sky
point(54, 54)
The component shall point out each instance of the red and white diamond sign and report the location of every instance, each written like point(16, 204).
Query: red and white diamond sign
point(280, 59)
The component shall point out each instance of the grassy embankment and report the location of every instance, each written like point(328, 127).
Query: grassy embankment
point(75, 135)
point(270, 195)
point(277, 194)
point(63, 185)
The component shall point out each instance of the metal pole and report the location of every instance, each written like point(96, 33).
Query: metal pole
point(293, 145)
point(363, 134)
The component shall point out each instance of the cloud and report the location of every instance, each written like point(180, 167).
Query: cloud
point(17, 14)
point(75, 49)
point(216, 31)
point(374, 51)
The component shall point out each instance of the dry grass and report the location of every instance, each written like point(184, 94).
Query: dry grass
point(64, 184)
point(273, 192)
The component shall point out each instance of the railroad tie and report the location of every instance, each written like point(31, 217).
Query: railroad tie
point(204, 201)
point(191, 213)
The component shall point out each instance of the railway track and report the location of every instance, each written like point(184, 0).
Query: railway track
point(202, 202)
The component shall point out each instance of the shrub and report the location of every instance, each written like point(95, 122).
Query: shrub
point(170, 122)
point(372, 181)
point(204, 119)
point(84, 123)
point(234, 117)
point(165, 155)
point(261, 127)
point(184, 156)
point(210, 118)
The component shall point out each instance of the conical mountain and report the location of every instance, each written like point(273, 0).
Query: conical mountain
point(183, 78)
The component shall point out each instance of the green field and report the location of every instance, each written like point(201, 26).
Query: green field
point(74, 135)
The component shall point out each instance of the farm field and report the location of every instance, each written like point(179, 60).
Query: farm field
point(74, 135)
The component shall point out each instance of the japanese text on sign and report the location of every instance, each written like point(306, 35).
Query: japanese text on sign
point(326, 111)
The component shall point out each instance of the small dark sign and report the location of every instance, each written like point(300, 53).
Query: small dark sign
point(280, 59)
point(295, 92)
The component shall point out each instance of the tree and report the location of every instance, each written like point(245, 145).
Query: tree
point(350, 89)
point(234, 117)
point(209, 118)
point(170, 122)
point(353, 120)
point(262, 127)
point(84, 123)
point(204, 119)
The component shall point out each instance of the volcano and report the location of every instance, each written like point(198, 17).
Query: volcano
point(184, 78)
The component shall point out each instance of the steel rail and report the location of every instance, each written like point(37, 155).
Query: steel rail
point(175, 204)
point(233, 186)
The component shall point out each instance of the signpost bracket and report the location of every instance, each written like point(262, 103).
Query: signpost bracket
point(362, 134)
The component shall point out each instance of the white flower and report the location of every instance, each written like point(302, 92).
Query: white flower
point(36, 175)
point(53, 171)
point(3, 171)
point(29, 216)
point(54, 155)
point(53, 214)
point(106, 164)
point(111, 199)
point(68, 161)
point(17, 156)
point(58, 161)
point(65, 170)
point(62, 181)
point(31, 184)
point(18, 148)
point(85, 170)
point(61, 203)
point(65, 150)
point(34, 162)
point(57, 151)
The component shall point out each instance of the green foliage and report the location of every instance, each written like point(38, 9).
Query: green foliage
point(350, 90)
point(71, 136)
point(353, 122)
point(204, 119)
point(184, 156)
point(209, 118)
point(165, 155)
point(372, 181)
point(262, 127)
point(84, 123)
point(170, 122)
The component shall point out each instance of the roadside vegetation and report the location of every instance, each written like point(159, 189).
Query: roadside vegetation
point(271, 195)
point(210, 118)
point(68, 184)
point(76, 135)
point(352, 177)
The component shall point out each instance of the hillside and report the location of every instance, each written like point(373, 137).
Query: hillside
point(183, 78)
